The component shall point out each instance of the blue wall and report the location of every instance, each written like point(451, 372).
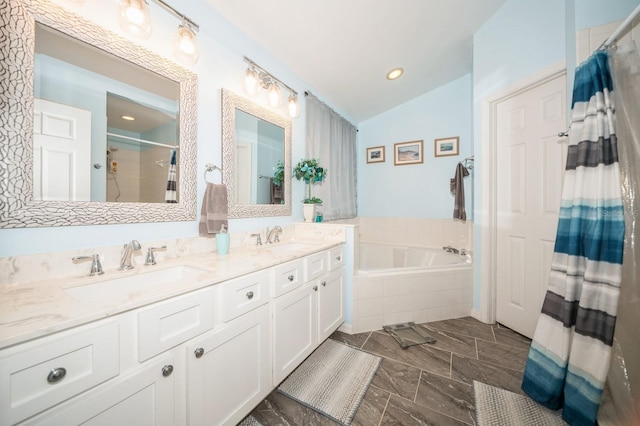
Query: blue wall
point(420, 190)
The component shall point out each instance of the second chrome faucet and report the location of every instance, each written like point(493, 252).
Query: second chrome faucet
point(125, 255)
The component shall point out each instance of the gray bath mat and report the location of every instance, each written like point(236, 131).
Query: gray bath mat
point(499, 407)
point(249, 421)
point(407, 334)
point(333, 380)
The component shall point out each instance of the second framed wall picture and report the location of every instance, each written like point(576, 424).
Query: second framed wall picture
point(375, 154)
point(446, 146)
point(407, 153)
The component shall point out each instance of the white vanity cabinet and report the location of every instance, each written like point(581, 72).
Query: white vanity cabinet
point(304, 318)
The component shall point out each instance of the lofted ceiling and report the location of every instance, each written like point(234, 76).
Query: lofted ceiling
point(344, 48)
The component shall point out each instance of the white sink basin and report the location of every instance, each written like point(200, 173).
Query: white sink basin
point(134, 284)
point(285, 248)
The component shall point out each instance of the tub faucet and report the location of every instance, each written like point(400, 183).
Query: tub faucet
point(277, 230)
point(125, 255)
point(450, 249)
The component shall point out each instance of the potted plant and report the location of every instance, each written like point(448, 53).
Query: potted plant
point(309, 171)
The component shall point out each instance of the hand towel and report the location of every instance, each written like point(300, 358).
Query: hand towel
point(457, 189)
point(214, 211)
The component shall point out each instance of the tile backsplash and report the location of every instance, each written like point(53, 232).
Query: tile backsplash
point(418, 232)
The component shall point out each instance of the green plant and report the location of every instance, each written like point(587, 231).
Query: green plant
point(278, 173)
point(309, 171)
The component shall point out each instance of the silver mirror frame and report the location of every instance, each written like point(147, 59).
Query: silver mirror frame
point(17, 207)
point(231, 102)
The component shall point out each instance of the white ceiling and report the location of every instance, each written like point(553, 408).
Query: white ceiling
point(344, 48)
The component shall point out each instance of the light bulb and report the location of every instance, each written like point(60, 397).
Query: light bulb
point(274, 95)
point(134, 17)
point(185, 46)
point(294, 108)
point(251, 83)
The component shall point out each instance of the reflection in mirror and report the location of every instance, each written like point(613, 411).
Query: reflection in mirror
point(157, 83)
point(259, 150)
point(256, 156)
point(75, 87)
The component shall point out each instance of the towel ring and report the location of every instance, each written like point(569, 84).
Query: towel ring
point(209, 167)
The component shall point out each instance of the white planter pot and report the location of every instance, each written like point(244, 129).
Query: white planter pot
point(309, 211)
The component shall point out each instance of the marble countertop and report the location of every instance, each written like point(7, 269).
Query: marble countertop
point(37, 309)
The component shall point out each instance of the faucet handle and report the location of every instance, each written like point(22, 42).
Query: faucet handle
point(96, 266)
point(258, 239)
point(151, 258)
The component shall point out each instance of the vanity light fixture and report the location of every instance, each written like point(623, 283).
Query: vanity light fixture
point(128, 117)
point(257, 77)
point(394, 73)
point(135, 19)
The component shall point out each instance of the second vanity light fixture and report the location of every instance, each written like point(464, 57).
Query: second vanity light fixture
point(257, 77)
point(135, 19)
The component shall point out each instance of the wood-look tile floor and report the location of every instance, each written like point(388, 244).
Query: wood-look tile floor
point(429, 384)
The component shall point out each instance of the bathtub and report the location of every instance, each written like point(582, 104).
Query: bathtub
point(395, 284)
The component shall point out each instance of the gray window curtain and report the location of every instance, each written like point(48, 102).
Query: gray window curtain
point(332, 140)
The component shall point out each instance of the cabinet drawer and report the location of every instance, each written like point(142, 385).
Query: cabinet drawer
point(241, 295)
point(286, 277)
point(315, 265)
point(336, 258)
point(42, 376)
point(167, 324)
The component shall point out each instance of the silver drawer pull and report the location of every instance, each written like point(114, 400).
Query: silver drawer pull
point(56, 375)
point(338, 258)
point(199, 352)
point(250, 295)
point(167, 370)
point(324, 283)
point(290, 277)
point(315, 288)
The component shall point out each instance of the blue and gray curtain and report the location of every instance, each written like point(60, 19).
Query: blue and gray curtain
point(571, 348)
point(170, 196)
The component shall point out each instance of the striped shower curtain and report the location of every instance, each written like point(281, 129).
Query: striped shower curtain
point(571, 348)
point(170, 195)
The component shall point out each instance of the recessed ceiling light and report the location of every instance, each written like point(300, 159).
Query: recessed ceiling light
point(128, 117)
point(394, 73)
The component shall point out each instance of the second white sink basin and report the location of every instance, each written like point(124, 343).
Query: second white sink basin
point(132, 284)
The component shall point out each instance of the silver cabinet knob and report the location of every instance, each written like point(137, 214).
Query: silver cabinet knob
point(167, 370)
point(56, 375)
point(324, 283)
point(199, 352)
point(290, 277)
point(250, 295)
point(315, 288)
point(338, 258)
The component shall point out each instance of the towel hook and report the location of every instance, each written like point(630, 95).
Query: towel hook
point(209, 167)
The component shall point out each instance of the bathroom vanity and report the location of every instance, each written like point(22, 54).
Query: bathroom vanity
point(199, 342)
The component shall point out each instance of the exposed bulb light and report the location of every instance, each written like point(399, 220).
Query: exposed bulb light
point(273, 92)
point(251, 82)
point(134, 17)
point(185, 45)
point(394, 73)
point(128, 117)
point(294, 108)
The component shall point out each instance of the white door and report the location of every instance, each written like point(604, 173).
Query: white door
point(530, 164)
point(61, 152)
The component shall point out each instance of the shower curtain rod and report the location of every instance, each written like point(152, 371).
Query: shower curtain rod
point(620, 29)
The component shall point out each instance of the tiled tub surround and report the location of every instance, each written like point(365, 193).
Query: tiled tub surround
point(34, 303)
point(396, 295)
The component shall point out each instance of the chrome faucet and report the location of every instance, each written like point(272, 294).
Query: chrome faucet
point(450, 249)
point(277, 230)
point(96, 266)
point(125, 255)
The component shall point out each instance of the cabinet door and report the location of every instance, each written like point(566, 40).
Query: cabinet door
point(330, 304)
point(228, 370)
point(294, 330)
point(143, 398)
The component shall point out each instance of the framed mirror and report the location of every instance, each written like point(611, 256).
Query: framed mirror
point(42, 38)
point(256, 158)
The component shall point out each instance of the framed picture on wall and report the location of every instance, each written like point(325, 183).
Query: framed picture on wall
point(446, 146)
point(375, 154)
point(407, 153)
